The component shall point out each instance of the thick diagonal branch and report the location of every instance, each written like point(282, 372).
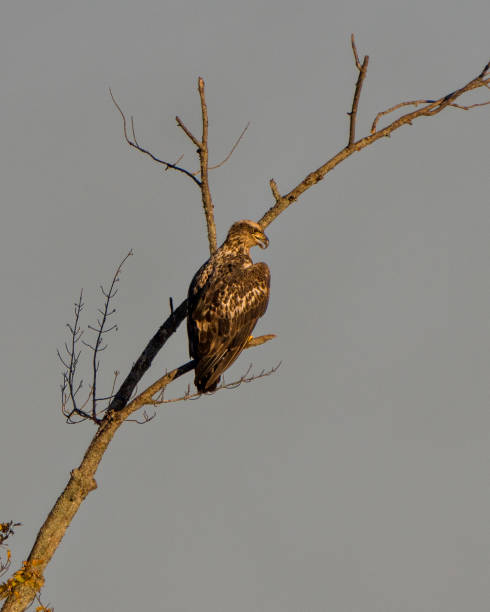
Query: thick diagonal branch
point(80, 484)
point(143, 362)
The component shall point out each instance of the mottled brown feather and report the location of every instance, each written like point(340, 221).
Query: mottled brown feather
point(227, 296)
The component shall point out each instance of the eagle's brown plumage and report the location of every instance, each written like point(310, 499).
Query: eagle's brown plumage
point(227, 296)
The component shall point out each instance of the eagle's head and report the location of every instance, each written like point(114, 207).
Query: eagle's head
point(247, 233)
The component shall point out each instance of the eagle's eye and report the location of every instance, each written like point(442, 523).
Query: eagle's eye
point(261, 239)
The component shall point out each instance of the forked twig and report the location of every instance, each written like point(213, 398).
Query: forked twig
point(134, 143)
point(202, 151)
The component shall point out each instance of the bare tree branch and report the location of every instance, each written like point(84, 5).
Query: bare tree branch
point(147, 396)
point(133, 143)
point(79, 486)
point(203, 153)
point(82, 478)
point(203, 158)
point(432, 107)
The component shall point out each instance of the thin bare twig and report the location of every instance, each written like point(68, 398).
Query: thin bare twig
point(187, 132)
point(133, 143)
point(116, 374)
point(146, 418)
point(246, 378)
point(275, 190)
point(470, 106)
point(354, 51)
point(232, 149)
point(70, 387)
point(357, 94)
point(394, 108)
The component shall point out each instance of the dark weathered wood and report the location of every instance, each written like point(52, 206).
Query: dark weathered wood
point(143, 362)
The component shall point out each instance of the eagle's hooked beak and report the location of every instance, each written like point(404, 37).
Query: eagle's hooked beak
point(262, 240)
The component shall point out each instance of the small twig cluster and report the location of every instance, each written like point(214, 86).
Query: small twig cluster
point(202, 152)
point(72, 410)
point(7, 530)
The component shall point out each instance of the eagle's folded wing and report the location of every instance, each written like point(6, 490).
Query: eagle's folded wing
point(223, 317)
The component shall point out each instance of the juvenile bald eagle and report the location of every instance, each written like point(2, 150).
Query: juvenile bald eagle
point(227, 296)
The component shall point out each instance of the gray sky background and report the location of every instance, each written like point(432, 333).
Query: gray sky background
point(356, 478)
